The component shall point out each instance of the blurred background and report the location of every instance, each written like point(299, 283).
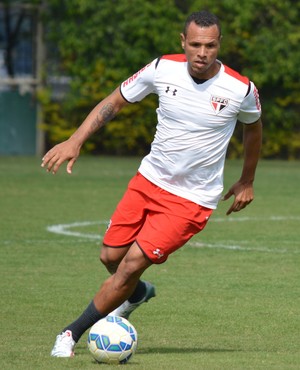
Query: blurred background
point(59, 58)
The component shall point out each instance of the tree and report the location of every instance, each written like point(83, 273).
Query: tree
point(101, 42)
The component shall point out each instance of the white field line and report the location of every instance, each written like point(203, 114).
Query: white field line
point(255, 219)
point(240, 248)
point(67, 229)
point(64, 229)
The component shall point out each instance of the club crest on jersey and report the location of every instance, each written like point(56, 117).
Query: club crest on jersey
point(219, 103)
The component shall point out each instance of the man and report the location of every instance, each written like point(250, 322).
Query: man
point(180, 181)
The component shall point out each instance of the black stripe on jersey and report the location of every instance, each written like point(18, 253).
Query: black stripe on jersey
point(249, 88)
point(123, 95)
point(158, 60)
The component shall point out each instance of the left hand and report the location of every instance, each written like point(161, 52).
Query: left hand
point(243, 195)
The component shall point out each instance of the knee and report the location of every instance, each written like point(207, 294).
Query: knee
point(110, 259)
point(110, 265)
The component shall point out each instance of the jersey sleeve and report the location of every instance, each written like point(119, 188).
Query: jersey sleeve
point(250, 110)
point(140, 84)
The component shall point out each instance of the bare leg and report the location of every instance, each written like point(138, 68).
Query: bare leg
point(114, 291)
point(112, 257)
point(119, 287)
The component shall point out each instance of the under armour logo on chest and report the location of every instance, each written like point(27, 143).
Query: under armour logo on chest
point(173, 92)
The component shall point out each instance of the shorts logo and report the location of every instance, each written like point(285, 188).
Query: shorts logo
point(219, 103)
point(158, 253)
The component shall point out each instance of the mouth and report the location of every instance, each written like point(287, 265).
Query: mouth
point(200, 63)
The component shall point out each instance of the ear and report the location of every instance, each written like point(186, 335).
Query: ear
point(182, 38)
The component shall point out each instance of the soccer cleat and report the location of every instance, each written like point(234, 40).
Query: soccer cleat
point(64, 345)
point(125, 309)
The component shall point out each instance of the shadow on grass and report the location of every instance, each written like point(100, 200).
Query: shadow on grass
point(164, 350)
point(81, 348)
point(160, 351)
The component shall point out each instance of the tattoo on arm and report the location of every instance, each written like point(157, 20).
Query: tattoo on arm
point(104, 116)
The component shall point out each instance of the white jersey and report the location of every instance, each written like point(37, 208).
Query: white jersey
point(195, 124)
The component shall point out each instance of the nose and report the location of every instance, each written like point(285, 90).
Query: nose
point(202, 51)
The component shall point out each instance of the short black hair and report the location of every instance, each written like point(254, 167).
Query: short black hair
point(203, 19)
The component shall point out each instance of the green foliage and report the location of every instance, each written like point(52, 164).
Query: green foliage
point(102, 46)
point(101, 43)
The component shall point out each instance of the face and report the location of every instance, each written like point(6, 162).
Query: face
point(201, 46)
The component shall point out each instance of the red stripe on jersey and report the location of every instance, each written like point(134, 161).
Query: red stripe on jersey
point(175, 57)
point(236, 75)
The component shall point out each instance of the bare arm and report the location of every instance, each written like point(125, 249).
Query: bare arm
point(243, 188)
point(69, 150)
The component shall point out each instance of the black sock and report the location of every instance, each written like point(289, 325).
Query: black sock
point(91, 315)
point(88, 318)
point(139, 292)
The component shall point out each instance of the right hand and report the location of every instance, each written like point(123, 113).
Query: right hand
point(65, 151)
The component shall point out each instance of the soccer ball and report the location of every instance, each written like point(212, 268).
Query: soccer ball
point(112, 340)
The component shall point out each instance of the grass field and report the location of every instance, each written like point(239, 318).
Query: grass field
point(228, 300)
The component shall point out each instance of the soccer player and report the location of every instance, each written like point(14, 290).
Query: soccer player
point(179, 183)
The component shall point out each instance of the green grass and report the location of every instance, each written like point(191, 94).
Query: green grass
point(228, 300)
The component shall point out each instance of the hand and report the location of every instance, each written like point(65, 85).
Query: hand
point(243, 195)
point(65, 151)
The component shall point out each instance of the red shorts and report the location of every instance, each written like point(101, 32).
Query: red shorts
point(160, 222)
